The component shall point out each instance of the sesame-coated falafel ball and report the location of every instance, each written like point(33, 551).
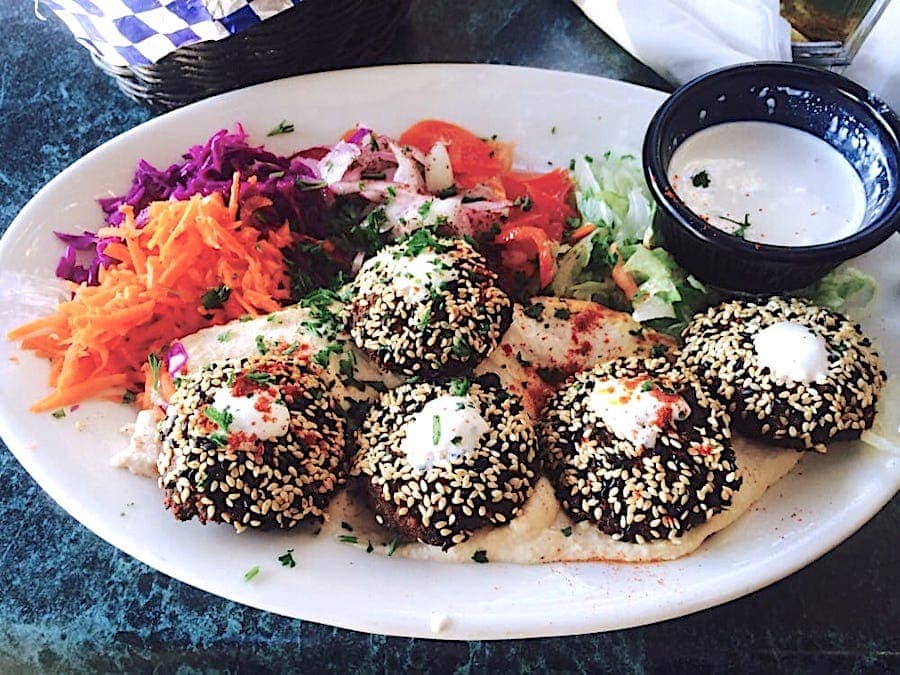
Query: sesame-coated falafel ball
point(254, 442)
point(640, 450)
point(428, 306)
point(443, 459)
point(792, 373)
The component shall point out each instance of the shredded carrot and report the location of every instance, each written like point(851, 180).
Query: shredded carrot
point(98, 342)
point(620, 276)
point(581, 232)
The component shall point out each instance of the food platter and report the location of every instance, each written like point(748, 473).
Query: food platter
point(823, 501)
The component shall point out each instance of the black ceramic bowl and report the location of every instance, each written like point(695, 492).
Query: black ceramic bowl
point(797, 96)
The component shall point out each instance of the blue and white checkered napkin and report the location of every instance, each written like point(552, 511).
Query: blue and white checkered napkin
point(140, 32)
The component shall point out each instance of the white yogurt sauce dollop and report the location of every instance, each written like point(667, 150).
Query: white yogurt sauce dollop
point(633, 414)
point(792, 187)
point(412, 278)
point(792, 352)
point(447, 427)
point(270, 423)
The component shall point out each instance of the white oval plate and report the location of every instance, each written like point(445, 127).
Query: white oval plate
point(551, 116)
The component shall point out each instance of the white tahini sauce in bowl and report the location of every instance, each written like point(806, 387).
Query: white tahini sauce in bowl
point(768, 183)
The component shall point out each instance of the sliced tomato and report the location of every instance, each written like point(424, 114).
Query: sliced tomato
point(547, 195)
point(468, 153)
point(533, 241)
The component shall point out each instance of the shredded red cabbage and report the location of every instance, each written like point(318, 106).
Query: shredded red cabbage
point(206, 169)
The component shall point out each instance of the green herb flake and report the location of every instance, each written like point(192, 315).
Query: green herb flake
point(283, 127)
point(562, 313)
point(215, 297)
point(659, 350)
point(287, 559)
point(129, 396)
point(323, 356)
point(59, 413)
point(456, 440)
point(222, 418)
point(700, 179)
point(260, 378)
point(647, 385)
point(369, 547)
point(566, 531)
point(244, 318)
point(461, 348)
point(251, 573)
point(392, 546)
point(346, 526)
point(522, 360)
point(154, 362)
point(436, 429)
point(742, 225)
point(261, 345)
point(534, 311)
point(480, 556)
point(348, 539)
point(225, 336)
point(460, 386)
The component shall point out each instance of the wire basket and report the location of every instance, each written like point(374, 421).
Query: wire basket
point(312, 36)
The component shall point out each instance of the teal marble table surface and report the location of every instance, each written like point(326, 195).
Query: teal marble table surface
point(71, 602)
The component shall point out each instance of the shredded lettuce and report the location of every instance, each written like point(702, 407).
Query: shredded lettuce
point(844, 288)
point(611, 193)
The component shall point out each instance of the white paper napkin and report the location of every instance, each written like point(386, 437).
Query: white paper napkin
point(682, 39)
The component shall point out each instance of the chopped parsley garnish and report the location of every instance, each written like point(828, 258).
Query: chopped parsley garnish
point(424, 209)
point(252, 572)
point(742, 225)
point(287, 559)
point(391, 547)
point(566, 531)
point(436, 429)
point(425, 319)
point(522, 360)
point(261, 345)
point(219, 439)
point(647, 385)
point(348, 539)
point(347, 365)
point(456, 440)
point(154, 362)
point(346, 526)
point(571, 165)
point(422, 239)
point(552, 130)
point(447, 192)
point(659, 350)
point(459, 386)
point(309, 185)
point(369, 547)
point(128, 396)
point(700, 179)
point(244, 318)
point(637, 332)
point(467, 199)
point(480, 556)
point(534, 311)
point(222, 418)
point(323, 356)
point(260, 378)
point(461, 348)
point(215, 297)
point(562, 313)
point(225, 336)
point(589, 159)
point(59, 413)
point(283, 127)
